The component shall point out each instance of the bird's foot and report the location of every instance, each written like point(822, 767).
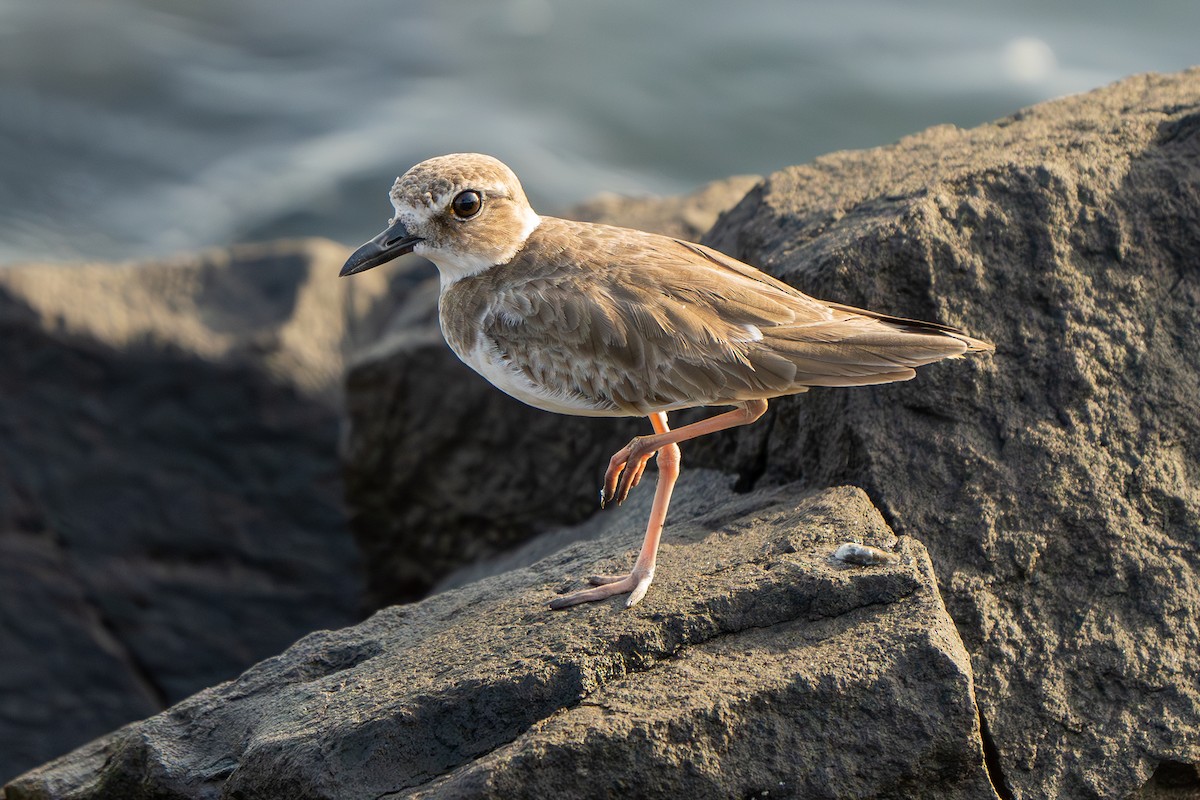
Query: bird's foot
point(634, 584)
point(625, 469)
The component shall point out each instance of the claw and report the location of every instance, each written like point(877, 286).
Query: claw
point(632, 469)
point(616, 465)
point(625, 470)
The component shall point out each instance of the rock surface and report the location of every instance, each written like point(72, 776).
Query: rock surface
point(170, 508)
point(756, 667)
point(687, 216)
point(443, 470)
point(1055, 484)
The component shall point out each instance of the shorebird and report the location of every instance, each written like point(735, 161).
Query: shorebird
point(596, 320)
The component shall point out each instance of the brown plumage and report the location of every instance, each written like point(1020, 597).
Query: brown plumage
point(595, 320)
point(635, 323)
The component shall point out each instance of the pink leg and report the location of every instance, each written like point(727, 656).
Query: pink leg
point(638, 580)
point(626, 467)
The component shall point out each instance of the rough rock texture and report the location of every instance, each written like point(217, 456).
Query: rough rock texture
point(757, 665)
point(1056, 484)
point(428, 491)
point(170, 504)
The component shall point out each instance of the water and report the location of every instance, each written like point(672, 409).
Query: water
point(135, 128)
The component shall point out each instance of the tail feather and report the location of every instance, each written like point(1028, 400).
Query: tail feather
point(865, 348)
point(919, 326)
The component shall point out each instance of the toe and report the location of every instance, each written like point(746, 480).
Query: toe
point(602, 592)
point(635, 584)
point(588, 595)
point(639, 591)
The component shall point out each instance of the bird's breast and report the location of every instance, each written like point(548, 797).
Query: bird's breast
point(461, 319)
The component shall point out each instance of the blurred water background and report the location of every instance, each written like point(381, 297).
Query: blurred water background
point(136, 128)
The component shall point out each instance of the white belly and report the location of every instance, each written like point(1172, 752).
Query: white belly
point(485, 359)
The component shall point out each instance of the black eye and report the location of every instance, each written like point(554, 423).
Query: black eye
point(466, 204)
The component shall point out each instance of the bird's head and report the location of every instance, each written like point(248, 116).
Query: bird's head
point(464, 212)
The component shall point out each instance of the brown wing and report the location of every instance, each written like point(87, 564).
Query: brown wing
point(901, 323)
point(648, 323)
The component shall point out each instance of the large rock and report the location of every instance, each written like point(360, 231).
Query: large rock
point(1055, 483)
point(170, 504)
point(758, 666)
point(443, 470)
point(272, 307)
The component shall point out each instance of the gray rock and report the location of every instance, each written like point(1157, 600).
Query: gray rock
point(1054, 484)
point(272, 307)
point(758, 665)
point(443, 470)
point(170, 508)
point(687, 216)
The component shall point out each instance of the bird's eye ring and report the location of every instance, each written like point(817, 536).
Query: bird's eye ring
point(466, 204)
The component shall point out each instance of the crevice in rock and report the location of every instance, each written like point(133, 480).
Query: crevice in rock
point(1171, 779)
point(104, 628)
point(991, 760)
point(141, 673)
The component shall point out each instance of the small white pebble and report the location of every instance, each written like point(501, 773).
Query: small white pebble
point(864, 555)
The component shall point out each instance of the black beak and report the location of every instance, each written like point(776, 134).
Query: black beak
point(392, 243)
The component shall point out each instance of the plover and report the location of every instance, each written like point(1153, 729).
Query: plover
point(595, 320)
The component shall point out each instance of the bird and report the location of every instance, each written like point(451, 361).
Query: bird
point(596, 320)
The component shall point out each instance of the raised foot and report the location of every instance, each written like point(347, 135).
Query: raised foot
point(625, 470)
point(635, 584)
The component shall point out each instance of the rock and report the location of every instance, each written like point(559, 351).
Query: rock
point(687, 216)
point(170, 508)
point(758, 666)
point(1055, 483)
point(431, 483)
point(273, 307)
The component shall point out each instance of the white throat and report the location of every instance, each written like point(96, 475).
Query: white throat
point(454, 265)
